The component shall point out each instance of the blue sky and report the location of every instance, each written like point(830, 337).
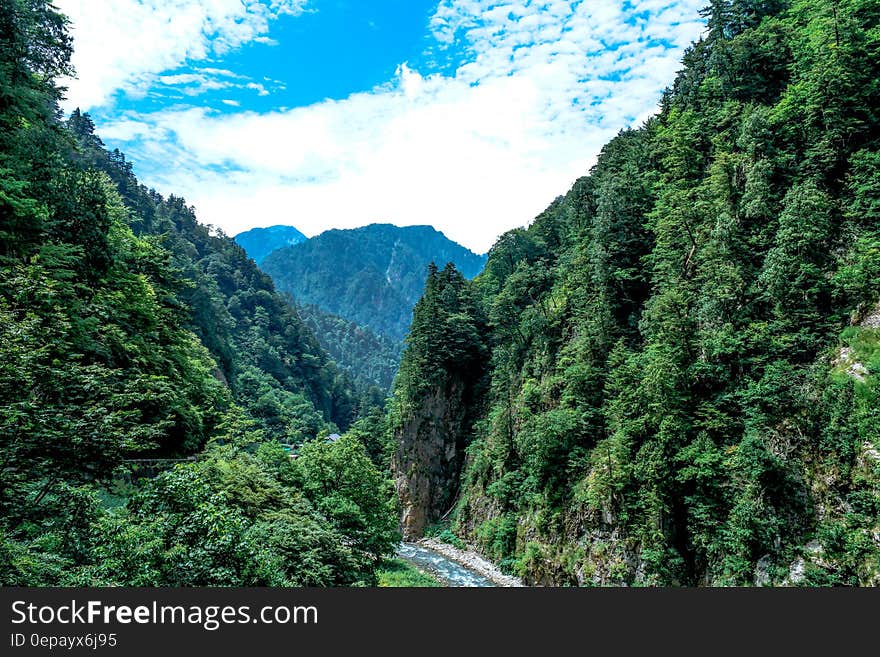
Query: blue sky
point(470, 115)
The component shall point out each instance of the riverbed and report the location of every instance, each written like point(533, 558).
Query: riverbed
point(454, 567)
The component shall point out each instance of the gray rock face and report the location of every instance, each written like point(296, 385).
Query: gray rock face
point(797, 572)
point(872, 320)
point(762, 570)
point(428, 460)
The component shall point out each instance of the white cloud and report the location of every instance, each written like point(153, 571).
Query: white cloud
point(259, 88)
point(543, 86)
point(211, 79)
point(125, 44)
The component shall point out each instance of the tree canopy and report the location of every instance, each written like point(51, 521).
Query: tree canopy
point(682, 384)
point(130, 331)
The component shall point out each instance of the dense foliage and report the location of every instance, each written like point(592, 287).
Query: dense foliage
point(260, 242)
point(436, 398)
point(398, 573)
point(445, 344)
point(370, 359)
point(371, 276)
point(684, 382)
point(271, 361)
point(129, 330)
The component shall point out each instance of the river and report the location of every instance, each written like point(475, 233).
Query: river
point(449, 572)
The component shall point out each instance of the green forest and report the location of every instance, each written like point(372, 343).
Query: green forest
point(672, 376)
point(370, 358)
point(131, 334)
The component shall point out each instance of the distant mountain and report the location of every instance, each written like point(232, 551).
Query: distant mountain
point(371, 276)
point(260, 242)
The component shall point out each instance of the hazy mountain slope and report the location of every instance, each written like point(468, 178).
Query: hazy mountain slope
point(260, 242)
point(371, 359)
point(371, 276)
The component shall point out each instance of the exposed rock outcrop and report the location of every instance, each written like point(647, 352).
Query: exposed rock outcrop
point(428, 460)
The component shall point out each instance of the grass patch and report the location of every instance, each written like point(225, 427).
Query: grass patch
point(865, 345)
point(397, 573)
point(442, 532)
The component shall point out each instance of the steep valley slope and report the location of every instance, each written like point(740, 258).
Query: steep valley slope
point(672, 377)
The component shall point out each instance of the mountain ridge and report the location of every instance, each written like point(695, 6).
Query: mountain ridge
point(371, 275)
point(260, 242)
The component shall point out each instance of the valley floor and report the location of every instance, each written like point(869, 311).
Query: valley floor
point(455, 567)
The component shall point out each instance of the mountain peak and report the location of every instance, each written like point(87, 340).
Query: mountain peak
point(260, 242)
point(371, 275)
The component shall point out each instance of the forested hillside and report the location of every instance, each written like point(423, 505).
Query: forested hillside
point(371, 276)
point(264, 352)
point(371, 359)
point(672, 377)
point(683, 378)
point(128, 330)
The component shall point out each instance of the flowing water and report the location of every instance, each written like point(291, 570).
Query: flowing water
point(446, 570)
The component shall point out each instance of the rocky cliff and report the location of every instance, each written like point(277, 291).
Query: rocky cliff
point(428, 458)
point(436, 398)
